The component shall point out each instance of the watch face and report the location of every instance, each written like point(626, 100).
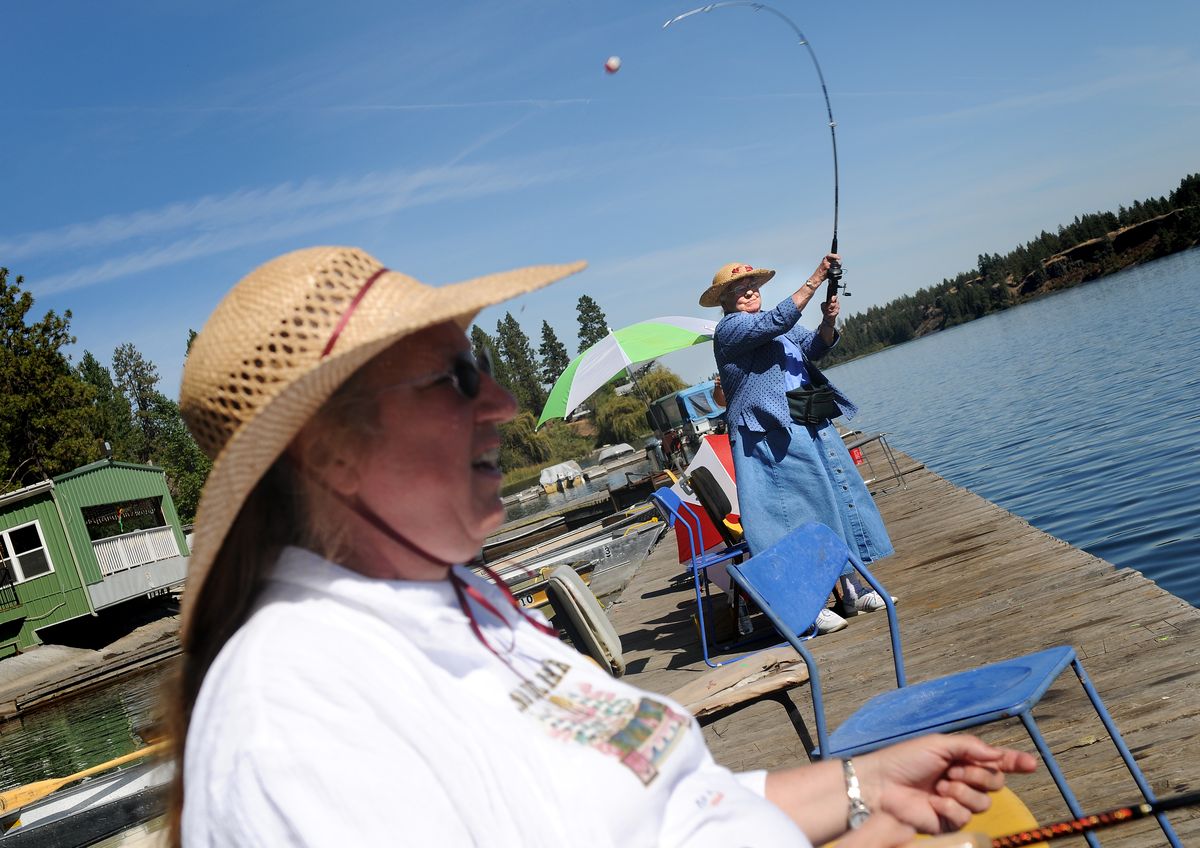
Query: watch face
point(858, 818)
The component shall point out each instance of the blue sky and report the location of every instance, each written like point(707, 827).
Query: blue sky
point(154, 152)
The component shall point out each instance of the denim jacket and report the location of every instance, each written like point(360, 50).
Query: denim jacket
point(751, 361)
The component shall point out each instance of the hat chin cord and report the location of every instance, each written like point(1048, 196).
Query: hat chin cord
point(461, 588)
point(368, 515)
point(355, 505)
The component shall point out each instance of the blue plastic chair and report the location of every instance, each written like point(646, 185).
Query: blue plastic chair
point(993, 692)
point(678, 512)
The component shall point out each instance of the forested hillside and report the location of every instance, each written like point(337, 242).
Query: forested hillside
point(1091, 246)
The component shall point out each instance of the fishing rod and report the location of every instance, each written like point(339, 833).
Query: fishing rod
point(1096, 821)
point(834, 274)
point(1067, 827)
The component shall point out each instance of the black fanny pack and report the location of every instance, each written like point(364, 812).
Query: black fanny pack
point(812, 406)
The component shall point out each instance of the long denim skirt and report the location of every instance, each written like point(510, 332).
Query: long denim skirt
point(791, 476)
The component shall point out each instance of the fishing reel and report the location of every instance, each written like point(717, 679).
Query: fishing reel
point(833, 276)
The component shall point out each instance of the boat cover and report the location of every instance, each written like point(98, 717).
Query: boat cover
point(614, 451)
point(563, 471)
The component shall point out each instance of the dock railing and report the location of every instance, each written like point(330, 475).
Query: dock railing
point(128, 550)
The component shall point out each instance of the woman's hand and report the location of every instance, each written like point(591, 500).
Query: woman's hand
point(829, 311)
point(936, 783)
point(829, 314)
point(818, 276)
point(804, 294)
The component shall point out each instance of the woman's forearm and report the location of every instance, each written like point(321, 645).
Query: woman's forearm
point(739, 332)
point(805, 293)
point(814, 797)
point(827, 332)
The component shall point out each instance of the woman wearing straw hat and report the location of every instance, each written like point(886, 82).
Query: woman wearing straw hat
point(792, 466)
point(345, 683)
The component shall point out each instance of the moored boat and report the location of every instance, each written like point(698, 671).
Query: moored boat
point(555, 533)
point(607, 563)
point(523, 536)
point(560, 477)
point(92, 810)
point(612, 457)
point(527, 494)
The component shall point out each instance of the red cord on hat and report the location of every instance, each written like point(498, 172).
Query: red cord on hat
point(342, 321)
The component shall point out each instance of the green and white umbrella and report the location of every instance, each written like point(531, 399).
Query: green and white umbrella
point(619, 350)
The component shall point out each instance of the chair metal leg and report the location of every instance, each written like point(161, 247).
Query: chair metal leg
point(1055, 772)
point(891, 459)
point(784, 701)
point(797, 722)
point(701, 603)
point(1131, 764)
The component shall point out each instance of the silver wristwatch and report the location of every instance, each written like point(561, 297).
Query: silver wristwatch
point(858, 810)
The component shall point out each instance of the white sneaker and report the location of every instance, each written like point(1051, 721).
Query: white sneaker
point(870, 602)
point(828, 621)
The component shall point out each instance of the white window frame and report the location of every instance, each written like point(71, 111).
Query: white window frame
point(15, 559)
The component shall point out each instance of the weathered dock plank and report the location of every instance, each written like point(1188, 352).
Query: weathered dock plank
point(976, 584)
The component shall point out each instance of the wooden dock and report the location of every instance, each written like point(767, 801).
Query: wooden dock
point(975, 584)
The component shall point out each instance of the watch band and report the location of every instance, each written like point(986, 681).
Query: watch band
point(859, 813)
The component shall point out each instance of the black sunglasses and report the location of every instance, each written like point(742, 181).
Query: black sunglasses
point(467, 369)
point(465, 374)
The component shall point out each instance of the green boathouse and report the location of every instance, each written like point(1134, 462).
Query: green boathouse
point(82, 542)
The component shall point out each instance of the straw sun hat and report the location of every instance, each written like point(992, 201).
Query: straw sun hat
point(283, 340)
point(730, 274)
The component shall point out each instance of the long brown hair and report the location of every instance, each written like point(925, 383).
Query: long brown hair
point(287, 507)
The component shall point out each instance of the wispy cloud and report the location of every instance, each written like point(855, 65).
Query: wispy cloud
point(666, 273)
point(313, 109)
point(486, 139)
point(1142, 72)
point(181, 232)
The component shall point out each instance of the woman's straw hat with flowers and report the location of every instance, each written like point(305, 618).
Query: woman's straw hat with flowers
point(729, 274)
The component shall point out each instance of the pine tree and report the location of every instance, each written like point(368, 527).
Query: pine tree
point(593, 326)
point(46, 411)
point(114, 417)
point(480, 340)
point(553, 354)
point(185, 465)
point(159, 434)
point(514, 348)
point(137, 378)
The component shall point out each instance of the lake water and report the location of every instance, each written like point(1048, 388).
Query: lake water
point(1079, 412)
point(79, 732)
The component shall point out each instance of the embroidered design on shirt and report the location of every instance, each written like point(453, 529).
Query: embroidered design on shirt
point(710, 798)
point(548, 675)
point(640, 733)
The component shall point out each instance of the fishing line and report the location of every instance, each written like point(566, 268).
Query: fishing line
point(834, 274)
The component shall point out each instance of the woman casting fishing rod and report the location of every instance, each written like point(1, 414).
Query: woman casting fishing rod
point(791, 463)
point(792, 466)
point(346, 682)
